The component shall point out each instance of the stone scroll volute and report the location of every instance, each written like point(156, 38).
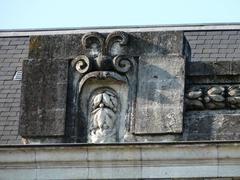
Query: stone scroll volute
point(106, 86)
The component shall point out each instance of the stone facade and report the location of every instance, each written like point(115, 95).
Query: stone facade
point(214, 52)
point(115, 87)
point(123, 104)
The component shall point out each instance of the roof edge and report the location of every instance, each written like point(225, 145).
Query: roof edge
point(173, 27)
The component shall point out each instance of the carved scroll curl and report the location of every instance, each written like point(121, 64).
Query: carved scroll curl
point(101, 54)
point(122, 63)
point(117, 36)
point(93, 37)
point(122, 36)
point(82, 64)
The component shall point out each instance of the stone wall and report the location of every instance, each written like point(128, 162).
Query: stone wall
point(112, 87)
point(206, 46)
point(215, 62)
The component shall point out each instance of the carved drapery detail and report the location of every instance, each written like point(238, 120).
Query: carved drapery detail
point(103, 115)
point(213, 97)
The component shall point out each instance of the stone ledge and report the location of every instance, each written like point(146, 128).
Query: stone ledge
point(123, 161)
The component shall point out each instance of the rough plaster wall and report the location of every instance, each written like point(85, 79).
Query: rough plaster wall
point(205, 45)
point(12, 52)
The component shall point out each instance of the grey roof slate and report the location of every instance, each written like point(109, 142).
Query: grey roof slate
point(217, 45)
point(12, 51)
point(214, 45)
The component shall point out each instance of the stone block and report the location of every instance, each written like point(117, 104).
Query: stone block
point(212, 125)
point(140, 43)
point(159, 106)
point(43, 101)
point(209, 68)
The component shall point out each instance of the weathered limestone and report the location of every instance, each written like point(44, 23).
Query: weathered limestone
point(103, 115)
point(44, 88)
point(212, 125)
point(212, 101)
point(120, 87)
point(122, 161)
point(213, 97)
point(125, 87)
point(159, 106)
point(106, 86)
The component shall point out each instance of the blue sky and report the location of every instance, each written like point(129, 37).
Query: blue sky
point(18, 14)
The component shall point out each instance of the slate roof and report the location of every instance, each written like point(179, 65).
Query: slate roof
point(12, 51)
point(206, 45)
point(214, 45)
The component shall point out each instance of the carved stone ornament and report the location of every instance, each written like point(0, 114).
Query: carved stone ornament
point(103, 115)
point(103, 54)
point(194, 99)
point(213, 97)
point(106, 87)
point(106, 81)
point(233, 99)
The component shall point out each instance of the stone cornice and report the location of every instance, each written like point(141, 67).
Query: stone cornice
point(122, 161)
